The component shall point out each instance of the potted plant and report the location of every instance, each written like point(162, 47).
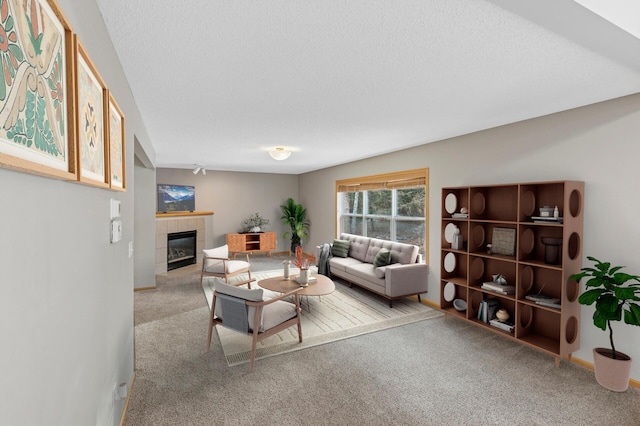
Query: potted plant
point(255, 223)
point(294, 215)
point(616, 296)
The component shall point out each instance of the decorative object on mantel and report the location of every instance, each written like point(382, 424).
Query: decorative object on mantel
point(255, 223)
point(615, 295)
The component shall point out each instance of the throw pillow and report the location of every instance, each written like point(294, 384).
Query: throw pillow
point(340, 248)
point(383, 258)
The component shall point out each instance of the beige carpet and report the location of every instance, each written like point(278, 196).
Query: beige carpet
point(347, 312)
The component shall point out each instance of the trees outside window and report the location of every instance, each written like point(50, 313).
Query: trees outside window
point(385, 209)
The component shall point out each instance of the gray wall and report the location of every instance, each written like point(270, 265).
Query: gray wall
point(144, 209)
point(598, 144)
point(234, 196)
point(66, 293)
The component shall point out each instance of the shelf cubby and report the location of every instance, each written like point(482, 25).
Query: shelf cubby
point(454, 200)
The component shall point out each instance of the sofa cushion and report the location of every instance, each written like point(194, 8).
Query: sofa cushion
point(383, 258)
point(400, 252)
point(359, 246)
point(366, 271)
point(340, 248)
point(341, 263)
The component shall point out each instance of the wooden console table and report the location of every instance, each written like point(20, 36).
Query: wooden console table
point(252, 243)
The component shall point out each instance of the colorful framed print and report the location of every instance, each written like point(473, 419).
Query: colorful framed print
point(36, 81)
point(90, 122)
point(115, 132)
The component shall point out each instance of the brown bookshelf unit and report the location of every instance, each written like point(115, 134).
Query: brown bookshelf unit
point(536, 254)
point(252, 243)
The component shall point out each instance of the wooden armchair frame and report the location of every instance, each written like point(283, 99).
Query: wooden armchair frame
point(255, 332)
point(226, 275)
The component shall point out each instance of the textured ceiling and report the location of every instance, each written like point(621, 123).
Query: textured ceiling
point(220, 82)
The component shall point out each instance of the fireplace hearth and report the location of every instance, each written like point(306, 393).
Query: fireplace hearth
point(181, 249)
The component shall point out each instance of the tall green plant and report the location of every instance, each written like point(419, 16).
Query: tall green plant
point(294, 215)
point(614, 293)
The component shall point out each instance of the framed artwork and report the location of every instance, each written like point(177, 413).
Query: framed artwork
point(115, 132)
point(36, 81)
point(91, 115)
point(504, 241)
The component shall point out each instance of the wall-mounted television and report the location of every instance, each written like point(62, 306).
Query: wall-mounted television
point(176, 198)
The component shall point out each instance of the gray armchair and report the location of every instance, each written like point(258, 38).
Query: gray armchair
point(245, 311)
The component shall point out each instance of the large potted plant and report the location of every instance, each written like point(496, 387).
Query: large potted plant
point(294, 215)
point(616, 296)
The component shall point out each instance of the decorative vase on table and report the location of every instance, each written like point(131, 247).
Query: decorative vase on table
point(304, 277)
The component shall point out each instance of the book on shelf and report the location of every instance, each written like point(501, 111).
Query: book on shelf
point(499, 288)
point(506, 325)
point(487, 309)
point(460, 215)
point(549, 304)
point(542, 298)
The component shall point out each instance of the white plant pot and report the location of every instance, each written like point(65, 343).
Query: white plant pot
point(612, 374)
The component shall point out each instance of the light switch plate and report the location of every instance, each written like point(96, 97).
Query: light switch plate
point(116, 231)
point(115, 208)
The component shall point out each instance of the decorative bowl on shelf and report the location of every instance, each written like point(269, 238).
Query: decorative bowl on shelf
point(460, 305)
point(502, 315)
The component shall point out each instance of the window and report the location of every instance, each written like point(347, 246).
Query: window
point(390, 207)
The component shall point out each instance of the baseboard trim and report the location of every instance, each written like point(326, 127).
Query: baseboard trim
point(427, 302)
point(123, 416)
point(145, 288)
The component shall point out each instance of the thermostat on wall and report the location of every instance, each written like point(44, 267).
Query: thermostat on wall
point(115, 208)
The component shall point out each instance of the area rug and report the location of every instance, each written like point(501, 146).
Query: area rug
point(347, 312)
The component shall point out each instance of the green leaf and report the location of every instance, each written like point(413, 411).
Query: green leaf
point(595, 282)
point(17, 52)
point(599, 321)
point(3, 86)
point(30, 115)
point(624, 293)
point(607, 303)
point(621, 277)
point(632, 316)
point(588, 297)
point(604, 267)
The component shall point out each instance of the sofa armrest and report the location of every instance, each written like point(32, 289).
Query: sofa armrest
point(406, 279)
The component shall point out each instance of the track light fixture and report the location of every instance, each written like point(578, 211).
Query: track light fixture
point(199, 167)
point(279, 153)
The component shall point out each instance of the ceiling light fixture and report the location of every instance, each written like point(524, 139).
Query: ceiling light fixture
point(199, 167)
point(279, 153)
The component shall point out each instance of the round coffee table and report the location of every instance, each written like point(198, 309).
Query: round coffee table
point(321, 287)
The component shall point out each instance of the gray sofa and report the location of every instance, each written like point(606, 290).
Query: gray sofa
point(406, 275)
